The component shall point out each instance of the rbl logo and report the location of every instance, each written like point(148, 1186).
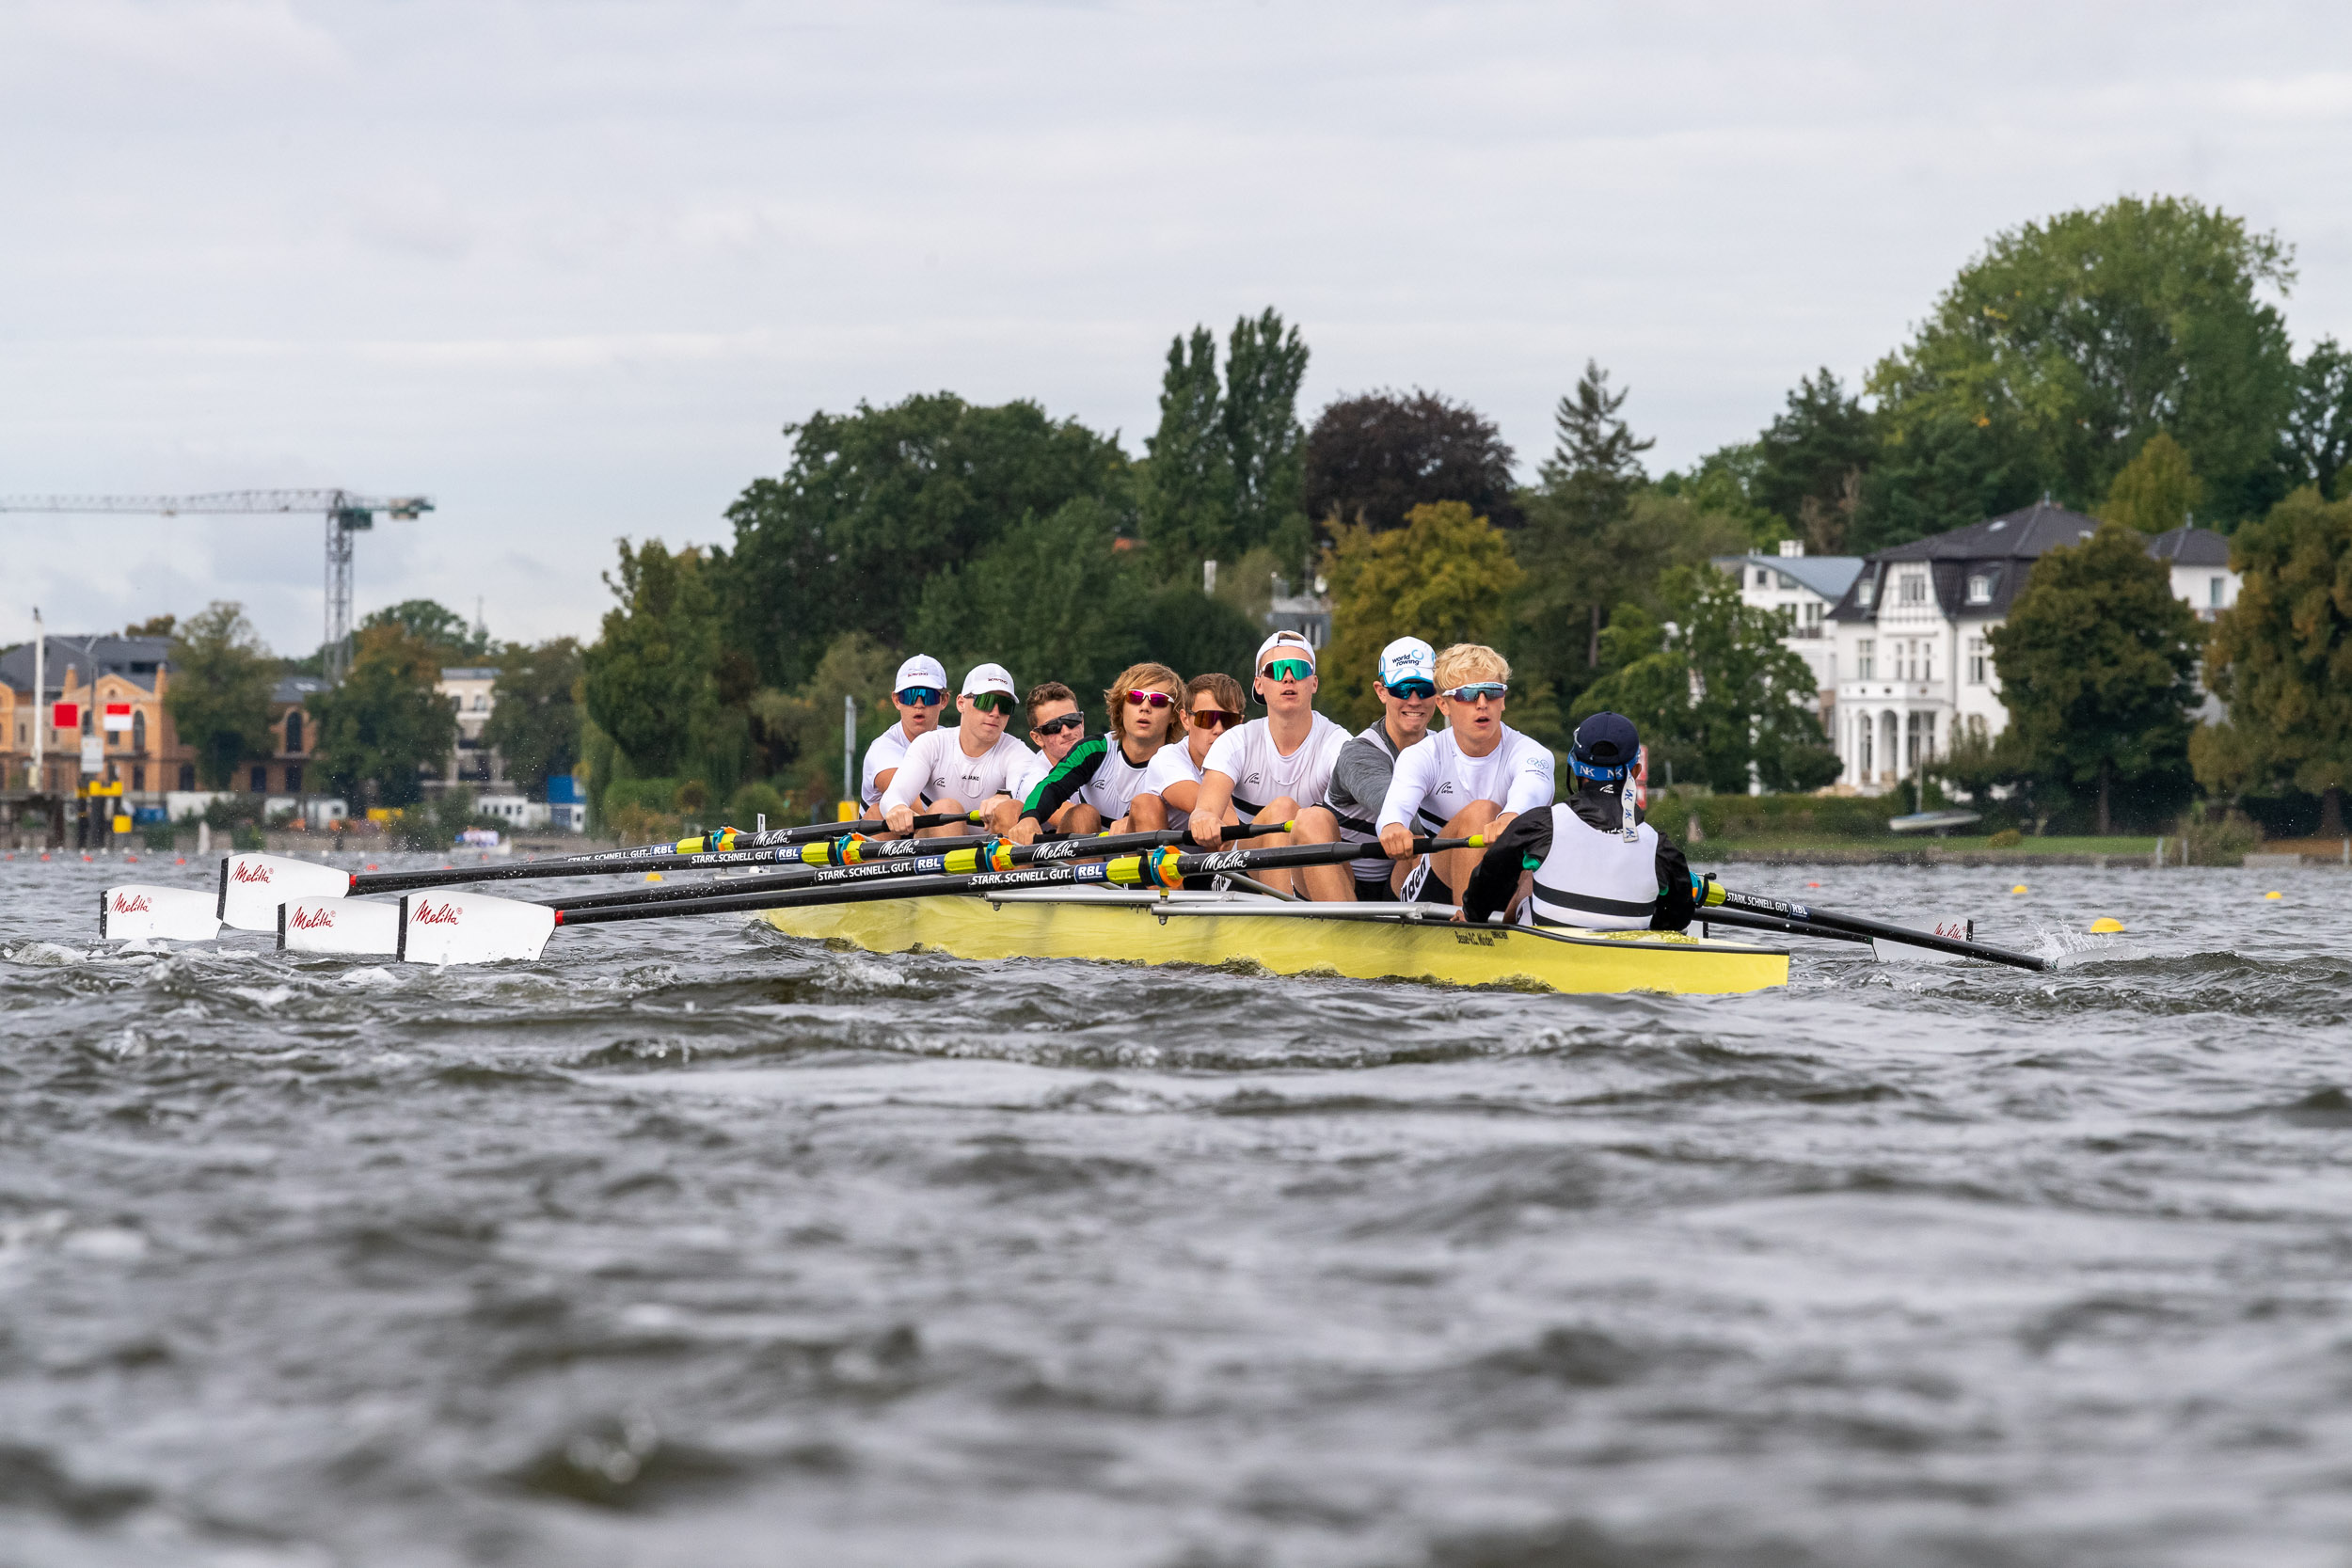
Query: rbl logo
point(248, 872)
point(312, 920)
point(425, 914)
point(132, 906)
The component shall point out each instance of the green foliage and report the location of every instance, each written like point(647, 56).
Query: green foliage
point(1811, 461)
point(2056, 353)
point(2316, 446)
point(535, 717)
point(800, 731)
point(1743, 816)
point(2155, 491)
point(1196, 635)
point(1373, 458)
point(2282, 656)
point(1595, 467)
point(218, 691)
point(1444, 577)
point(1712, 688)
point(1186, 492)
point(1226, 467)
point(2094, 660)
point(755, 800)
point(435, 823)
point(1725, 482)
point(438, 627)
point(874, 502)
point(385, 723)
point(650, 681)
point(1264, 363)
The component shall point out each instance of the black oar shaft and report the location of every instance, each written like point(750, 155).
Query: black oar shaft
point(1744, 922)
point(1784, 909)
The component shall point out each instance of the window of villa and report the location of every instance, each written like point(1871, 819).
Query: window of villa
point(1975, 661)
point(1867, 592)
point(138, 780)
point(294, 731)
point(1915, 587)
point(294, 778)
point(1866, 659)
point(1980, 588)
point(138, 732)
point(260, 781)
point(1763, 577)
point(2213, 591)
point(187, 775)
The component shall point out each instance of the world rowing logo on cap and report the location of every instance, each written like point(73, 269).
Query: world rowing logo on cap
point(132, 906)
point(312, 920)
point(425, 914)
point(247, 872)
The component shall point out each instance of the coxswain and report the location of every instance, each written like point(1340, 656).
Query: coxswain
point(1407, 685)
point(1055, 725)
point(1474, 776)
point(920, 694)
point(1264, 769)
point(963, 770)
point(1171, 785)
point(1594, 866)
point(1088, 788)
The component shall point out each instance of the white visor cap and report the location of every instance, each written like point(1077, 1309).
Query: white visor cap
point(1284, 644)
point(1408, 659)
point(922, 670)
point(988, 677)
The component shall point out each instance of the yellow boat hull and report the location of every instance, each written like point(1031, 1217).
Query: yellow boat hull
point(1285, 939)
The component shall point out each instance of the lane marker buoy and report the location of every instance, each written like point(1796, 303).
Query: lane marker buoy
point(2106, 925)
point(2019, 888)
point(2273, 896)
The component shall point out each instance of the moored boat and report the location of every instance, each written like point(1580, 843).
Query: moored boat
point(1370, 941)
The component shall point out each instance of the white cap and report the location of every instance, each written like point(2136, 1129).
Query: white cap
point(1288, 643)
point(1408, 659)
point(922, 670)
point(988, 677)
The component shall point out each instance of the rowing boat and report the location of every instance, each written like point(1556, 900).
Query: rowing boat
point(1367, 942)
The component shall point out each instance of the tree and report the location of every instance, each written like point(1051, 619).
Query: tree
point(1186, 496)
point(874, 502)
point(649, 682)
point(386, 722)
point(534, 716)
point(437, 627)
point(1373, 458)
point(1712, 688)
point(1726, 482)
point(218, 695)
point(1445, 576)
point(154, 625)
point(2095, 662)
point(1264, 364)
point(2282, 657)
point(1811, 460)
point(2317, 445)
point(2058, 352)
point(2155, 491)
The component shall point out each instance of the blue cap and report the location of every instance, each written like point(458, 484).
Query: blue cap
point(1408, 659)
point(1605, 745)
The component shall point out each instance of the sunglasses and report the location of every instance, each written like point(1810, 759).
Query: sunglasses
point(1490, 691)
point(1067, 721)
point(1288, 670)
point(993, 702)
point(922, 696)
point(1412, 690)
point(1213, 718)
point(1151, 699)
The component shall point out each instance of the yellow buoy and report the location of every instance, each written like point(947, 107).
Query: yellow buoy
point(2106, 925)
point(653, 876)
point(2019, 888)
point(2273, 896)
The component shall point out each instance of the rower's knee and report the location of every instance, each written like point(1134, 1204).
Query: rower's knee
point(1077, 817)
point(1148, 812)
point(1472, 818)
point(1317, 825)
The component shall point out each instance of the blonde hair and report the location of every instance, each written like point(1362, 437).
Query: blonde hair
point(1467, 662)
point(1144, 677)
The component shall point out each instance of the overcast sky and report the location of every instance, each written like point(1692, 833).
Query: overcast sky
point(568, 268)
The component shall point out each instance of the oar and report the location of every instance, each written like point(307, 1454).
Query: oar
point(462, 928)
point(253, 885)
point(1780, 928)
point(1719, 897)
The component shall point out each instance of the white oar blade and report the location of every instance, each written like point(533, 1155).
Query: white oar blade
point(471, 929)
point(354, 928)
point(252, 887)
point(1953, 928)
point(132, 912)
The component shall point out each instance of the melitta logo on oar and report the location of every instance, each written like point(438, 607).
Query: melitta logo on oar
point(251, 871)
point(165, 913)
point(252, 886)
point(425, 914)
point(130, 904)
point(311, 917)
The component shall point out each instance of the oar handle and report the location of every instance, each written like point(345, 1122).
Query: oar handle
point(1717, 895)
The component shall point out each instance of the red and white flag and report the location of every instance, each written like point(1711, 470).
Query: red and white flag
point(117, 715)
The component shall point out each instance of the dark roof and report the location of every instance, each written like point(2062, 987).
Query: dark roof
point(293, 690)
point(1829, 576)
point(2003, 549)
point(134, 659)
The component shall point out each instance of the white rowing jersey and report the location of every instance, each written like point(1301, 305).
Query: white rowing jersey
point(1262, 775)
point(1434, 779)
point(888, 750)
point(1098, 771)
point(1172, 764)
point(935, 768)
point(1026, 777)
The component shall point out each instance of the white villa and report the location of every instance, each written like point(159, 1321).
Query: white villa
point(1908, 657)
point(1804, 589)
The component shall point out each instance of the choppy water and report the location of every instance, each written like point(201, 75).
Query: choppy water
point(697, 1245)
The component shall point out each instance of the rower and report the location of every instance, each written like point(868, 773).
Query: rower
point(1407, 685)
point(1594, 866)
point(1171, 784)
point(1473, 777)
point(1092, 783)
point(1264, 768)
point(920, 694)
point(963, 770)
point(1055, 725)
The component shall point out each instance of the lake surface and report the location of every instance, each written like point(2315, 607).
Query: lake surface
point(694, 1244)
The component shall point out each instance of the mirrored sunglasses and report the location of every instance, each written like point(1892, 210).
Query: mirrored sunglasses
point(993, 702)
point(922, 696)
point(1491, 690)
point(1287, 669)
point(1151, 699)
point(1213, 718)
point(1412, 689)
point(1067, 721)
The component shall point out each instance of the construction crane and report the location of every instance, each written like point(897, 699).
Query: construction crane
point(345, 515)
